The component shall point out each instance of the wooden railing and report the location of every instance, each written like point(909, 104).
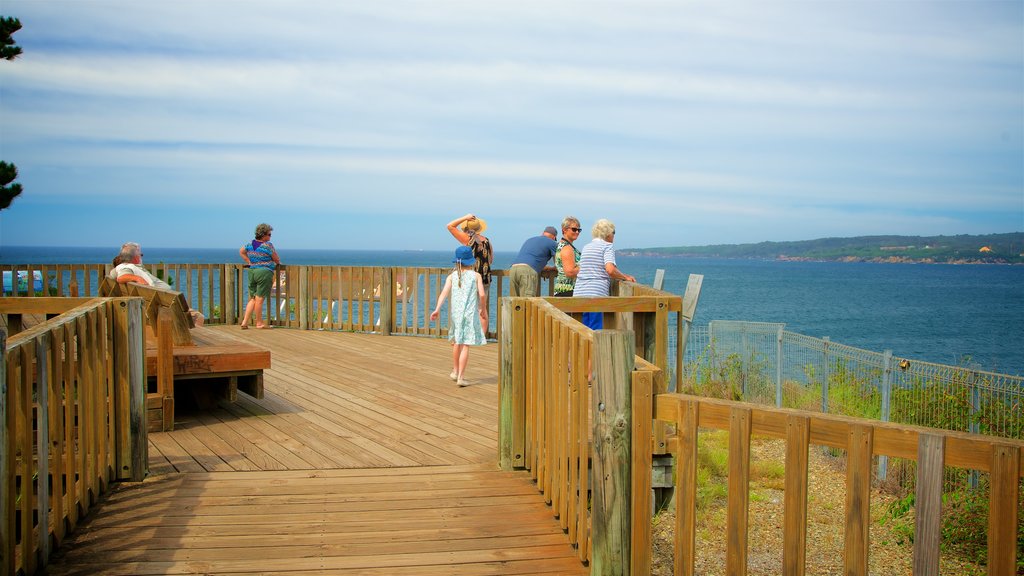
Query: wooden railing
point(548, 363)
point(568, 441)
point(862, 439)
point(71, 418)
point(395, 300)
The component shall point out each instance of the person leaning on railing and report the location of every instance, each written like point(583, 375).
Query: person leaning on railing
point(567, 257)
point(598, 269)
point(261, 258)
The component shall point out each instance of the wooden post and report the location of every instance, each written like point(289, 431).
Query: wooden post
point(165, 366)
point(641, 462)
point(794, 547)
point(138, 427)
point(42, 443)
point(511, 384)
point(229, 303)
point(302, 298)
point(738, 519)
point(387, 302)
point(686, 487)
point(1003, 522)
point(611, 406)
point(858, 499)
point(6, 468)
point(928, 504)
point(120, 360)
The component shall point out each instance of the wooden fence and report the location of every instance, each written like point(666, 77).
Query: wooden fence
point(71, 418)
point(551, 364)
point(395, 300)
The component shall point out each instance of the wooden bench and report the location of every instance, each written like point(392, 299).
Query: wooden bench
point(179, 353)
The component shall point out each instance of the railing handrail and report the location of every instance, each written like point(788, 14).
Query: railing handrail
point(862, 439)
point(542, 350)
point(72, 418)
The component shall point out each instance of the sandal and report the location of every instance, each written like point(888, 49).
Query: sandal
point(243, 326)
point(264, 327)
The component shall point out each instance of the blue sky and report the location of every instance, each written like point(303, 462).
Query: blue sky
point(372, 124)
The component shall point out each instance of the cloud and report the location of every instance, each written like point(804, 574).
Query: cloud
point(747, 119)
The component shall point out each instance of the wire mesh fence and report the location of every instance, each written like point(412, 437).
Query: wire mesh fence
point(763, 363)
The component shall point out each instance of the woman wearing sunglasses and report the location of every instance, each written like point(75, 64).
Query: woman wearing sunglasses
point(567, 257)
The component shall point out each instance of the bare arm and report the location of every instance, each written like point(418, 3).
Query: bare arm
point(244, 255)
point(459, 233)
point(614, 272)
point(569, 266)
point(481, 294)
point(441, 297)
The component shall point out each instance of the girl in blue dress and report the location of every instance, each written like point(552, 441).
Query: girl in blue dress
point(468, 315)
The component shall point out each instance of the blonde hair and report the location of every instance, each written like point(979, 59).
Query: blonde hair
point(602, 229)
point(568, 222)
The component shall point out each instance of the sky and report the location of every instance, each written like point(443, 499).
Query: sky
point(371, 125)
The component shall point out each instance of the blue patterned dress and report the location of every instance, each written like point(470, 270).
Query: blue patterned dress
point(465, 326)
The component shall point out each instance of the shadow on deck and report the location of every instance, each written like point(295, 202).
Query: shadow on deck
point(362, 458)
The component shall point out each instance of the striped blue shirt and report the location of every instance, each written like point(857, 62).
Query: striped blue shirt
point(593, 279)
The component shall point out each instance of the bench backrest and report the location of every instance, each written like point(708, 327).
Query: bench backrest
point(155, 299)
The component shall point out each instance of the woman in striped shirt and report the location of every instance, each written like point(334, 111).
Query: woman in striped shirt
point(597, 269)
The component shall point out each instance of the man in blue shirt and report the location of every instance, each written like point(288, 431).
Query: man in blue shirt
point(524, 275)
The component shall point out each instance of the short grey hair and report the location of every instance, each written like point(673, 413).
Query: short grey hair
point(569, 221)
point(263, 229)
point(603, 228)
point(129, 250)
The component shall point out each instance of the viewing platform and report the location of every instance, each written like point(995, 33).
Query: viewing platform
point(341, 446)
point(361, 456)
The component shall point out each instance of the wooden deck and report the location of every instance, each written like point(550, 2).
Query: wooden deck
point(363, 458)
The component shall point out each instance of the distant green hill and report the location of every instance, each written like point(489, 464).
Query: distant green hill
point(960, 249)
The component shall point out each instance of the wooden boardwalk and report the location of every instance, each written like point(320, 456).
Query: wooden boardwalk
point(363, 458)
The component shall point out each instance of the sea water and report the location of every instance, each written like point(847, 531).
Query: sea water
point(970, 315)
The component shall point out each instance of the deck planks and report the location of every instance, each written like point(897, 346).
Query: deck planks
point(363, 458)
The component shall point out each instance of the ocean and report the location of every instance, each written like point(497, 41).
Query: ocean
point(969, 315)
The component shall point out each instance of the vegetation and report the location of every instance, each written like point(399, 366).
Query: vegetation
point(967, 249)
point(956, 405)
point(9, 189)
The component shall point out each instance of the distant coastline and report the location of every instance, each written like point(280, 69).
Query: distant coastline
point(961, 249)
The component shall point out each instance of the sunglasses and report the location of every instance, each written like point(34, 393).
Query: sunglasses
point(576, 229)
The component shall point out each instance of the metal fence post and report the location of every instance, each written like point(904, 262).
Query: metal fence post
point(973, 427)
point(712, 360)
point(825, 372)
point(778, 368)
point(883, 460)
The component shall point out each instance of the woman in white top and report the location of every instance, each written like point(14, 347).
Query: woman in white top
point(597, 268)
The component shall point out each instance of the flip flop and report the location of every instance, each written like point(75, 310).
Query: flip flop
point(264, 327)
point(243, 327)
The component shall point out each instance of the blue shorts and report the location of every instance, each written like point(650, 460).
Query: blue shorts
point(593, 320)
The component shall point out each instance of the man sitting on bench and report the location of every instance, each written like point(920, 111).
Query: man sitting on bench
point(131, 270)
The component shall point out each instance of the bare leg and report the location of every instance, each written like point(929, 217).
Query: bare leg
point(258, 312)
point(455, 362)
point(463, 351)
point(248, 312)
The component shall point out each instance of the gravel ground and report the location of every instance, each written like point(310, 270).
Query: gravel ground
point(827, 494)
